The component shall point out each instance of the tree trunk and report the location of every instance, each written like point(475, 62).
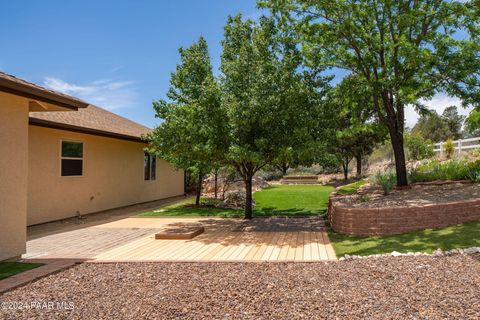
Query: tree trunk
point(199, 189)
point(248, 197)
point(283, 168)
point(359, 164)
point(400, 164)
point(216, 183)
point(345, 168)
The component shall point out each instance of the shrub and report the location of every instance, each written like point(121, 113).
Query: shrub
point(449, 148)
point(448, 170)
point(474, 171)
point(270, 175)
point(386, 180)
point(418, 148)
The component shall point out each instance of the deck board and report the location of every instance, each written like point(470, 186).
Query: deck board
point(133, 239)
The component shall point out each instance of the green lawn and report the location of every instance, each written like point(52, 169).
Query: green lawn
point(8, 269)
point(459, 236)
point(301, 200)
point(352, 187)
point(291, 200)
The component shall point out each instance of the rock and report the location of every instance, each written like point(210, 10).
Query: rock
point(396, 254)
point(234, 200)
point(438, 253)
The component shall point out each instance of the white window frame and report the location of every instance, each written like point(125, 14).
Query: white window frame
point(72, 158)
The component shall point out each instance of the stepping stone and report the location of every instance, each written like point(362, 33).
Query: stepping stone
point(180, 232)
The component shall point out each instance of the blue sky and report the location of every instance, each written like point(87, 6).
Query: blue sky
point(117, 54)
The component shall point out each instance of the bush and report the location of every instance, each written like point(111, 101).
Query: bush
point(449, 148)
point(270, 175)
point(448, 170)
point(386, 180)
point(418, 148)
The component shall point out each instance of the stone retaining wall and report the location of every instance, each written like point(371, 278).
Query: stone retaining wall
point(362, 221)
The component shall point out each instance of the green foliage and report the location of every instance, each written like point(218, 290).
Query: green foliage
point(273, 107)
point(285, 200)
point(386, 180)
point(357, 134)
point(432, 127)
point(192, 134)
point(472, 123)
point(351, 188)
point(449, 148)
point(364, 198)
point(404, 51)
point(454, 169)
point(418, 148)
point(454, 121)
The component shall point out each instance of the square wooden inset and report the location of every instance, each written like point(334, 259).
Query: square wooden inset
point(180, 232)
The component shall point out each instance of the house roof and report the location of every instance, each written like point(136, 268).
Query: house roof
point(93, 120)
point(14, 85)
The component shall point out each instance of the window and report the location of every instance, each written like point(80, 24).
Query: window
point(150, 166)
point(72, 158)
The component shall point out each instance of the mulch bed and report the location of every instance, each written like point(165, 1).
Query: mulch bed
point(417, 287)
point(417, 195)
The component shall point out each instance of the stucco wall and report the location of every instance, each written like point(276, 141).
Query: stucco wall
point(113, 176)
point(13, 175)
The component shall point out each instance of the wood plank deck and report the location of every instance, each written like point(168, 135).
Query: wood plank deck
point(133, 239)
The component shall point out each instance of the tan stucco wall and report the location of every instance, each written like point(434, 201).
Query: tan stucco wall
point(13, 175)
point(113, 176)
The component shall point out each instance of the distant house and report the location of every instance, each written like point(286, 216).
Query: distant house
point(61, 157)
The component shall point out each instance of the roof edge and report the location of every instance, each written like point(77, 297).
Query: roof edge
point(68, 127)
point(40, 94)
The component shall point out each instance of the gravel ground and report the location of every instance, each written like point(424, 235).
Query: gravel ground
point(420, 194)
point(423, 287)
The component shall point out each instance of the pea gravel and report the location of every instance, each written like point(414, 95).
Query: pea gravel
point(407, 287)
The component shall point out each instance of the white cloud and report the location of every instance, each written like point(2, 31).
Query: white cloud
point(438, 103)
point(105, 93)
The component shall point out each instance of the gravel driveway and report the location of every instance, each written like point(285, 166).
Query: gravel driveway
point(422, 287)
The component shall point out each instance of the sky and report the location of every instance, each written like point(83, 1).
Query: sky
point(118, 54)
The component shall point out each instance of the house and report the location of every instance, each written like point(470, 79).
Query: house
point(61, 157)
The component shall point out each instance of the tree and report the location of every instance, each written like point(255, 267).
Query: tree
point(403, 50)
point(357, 133)
point(472, 123)
point(418, 148)
point(432, 127)
point(270, 104)
point(454, 121)
point(192, 134)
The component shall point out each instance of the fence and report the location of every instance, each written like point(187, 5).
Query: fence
point(462, 145)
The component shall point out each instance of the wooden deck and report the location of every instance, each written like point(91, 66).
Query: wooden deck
point(133, 239)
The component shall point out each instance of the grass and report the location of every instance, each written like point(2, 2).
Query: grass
point(292, 200)
point(459, 236)
point(186, 209)
point(8, 269)
point(285, 200)
point(301, 200)
point(351, 188)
